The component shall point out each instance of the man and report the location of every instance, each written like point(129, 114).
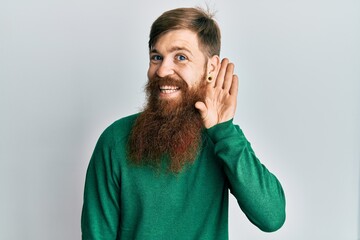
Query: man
point(165, 173)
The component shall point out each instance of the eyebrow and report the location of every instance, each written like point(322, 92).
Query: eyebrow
point(173, 49)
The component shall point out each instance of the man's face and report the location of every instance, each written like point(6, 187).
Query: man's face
point(177, 56)
point(170, 125)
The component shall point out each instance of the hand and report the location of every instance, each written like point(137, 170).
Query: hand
point(220, 100)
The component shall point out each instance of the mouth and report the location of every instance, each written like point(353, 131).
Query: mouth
point(168, 89)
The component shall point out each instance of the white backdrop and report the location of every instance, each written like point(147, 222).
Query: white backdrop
point(68, 69)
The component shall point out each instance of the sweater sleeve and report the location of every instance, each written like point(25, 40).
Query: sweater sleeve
point(258, 192)
point(100, 212)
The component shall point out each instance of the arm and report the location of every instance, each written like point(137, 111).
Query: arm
point(258, 192)
point(100, 212)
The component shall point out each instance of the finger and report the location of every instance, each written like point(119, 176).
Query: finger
point(202, 109)
point(234, 86)
point(228, 79)
point(220, 77)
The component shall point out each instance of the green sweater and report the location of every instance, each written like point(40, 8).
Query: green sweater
point(123, 201)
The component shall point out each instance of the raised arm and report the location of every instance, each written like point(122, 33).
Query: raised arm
point(258, 191)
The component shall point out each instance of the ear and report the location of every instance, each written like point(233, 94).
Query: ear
point(213, 66)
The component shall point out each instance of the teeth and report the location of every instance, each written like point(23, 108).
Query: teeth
point(168, 89)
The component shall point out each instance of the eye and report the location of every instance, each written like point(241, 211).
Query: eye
point(156, 57)
point(181, 57)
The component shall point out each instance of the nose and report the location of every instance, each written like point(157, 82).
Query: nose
point(165, 68)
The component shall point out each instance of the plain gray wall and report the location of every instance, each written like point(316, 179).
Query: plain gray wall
point(68, 69)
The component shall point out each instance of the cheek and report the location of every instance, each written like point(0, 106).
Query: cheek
point(192, 80)
point(151, 71)
point(192, 74)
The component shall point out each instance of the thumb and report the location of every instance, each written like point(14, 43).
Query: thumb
point(202, 109)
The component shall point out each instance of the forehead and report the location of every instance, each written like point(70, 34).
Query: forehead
point(182, 39)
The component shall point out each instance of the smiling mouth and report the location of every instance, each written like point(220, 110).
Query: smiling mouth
point(168, 89)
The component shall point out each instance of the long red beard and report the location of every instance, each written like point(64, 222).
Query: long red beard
point(167, 130)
